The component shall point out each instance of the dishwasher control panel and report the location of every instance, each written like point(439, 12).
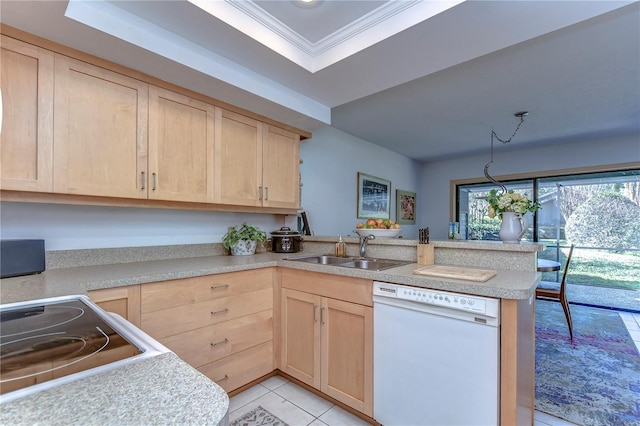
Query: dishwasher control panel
point(462, 302)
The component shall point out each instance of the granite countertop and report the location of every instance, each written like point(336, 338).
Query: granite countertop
point(507, 284)
point(164, 389)
point(504, 285)
point(158, 390)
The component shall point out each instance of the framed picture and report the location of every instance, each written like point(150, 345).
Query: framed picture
point(405, 207)
point(374, 197)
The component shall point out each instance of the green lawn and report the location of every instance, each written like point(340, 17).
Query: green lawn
point(600, 268)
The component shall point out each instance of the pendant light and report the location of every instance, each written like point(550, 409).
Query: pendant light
point(521, 116)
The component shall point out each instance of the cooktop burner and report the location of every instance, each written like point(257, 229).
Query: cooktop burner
point(45, 341)
point(37, 318)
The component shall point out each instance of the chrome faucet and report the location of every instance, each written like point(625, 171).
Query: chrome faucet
point(363, 244)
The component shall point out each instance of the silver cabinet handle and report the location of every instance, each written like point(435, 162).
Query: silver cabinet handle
point(260, 193)
point(266, 193)
point(153, 176)
point(143, 180)
point(322, 315)
point(222, 311)
point(221, 342)
point(315, 309)
point(216, 287)
point(224, 378)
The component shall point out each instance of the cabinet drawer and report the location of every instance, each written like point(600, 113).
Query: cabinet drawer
point(208, 344)
point(168, 322)
point(349, 289)
point(169, 294)
point(239, 369)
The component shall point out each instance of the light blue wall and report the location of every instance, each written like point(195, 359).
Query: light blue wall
point(436, 176)
point(331, 162)
point(66, 227)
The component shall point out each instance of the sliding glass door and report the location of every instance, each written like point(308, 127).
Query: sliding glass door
point(473, 209)
point(598, 212)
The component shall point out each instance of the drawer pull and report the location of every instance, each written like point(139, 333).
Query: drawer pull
point(221, 311)
point(315, 309)
point(143, 180)
point(216, 287)
point(224, 378)
point(221, 342)
point(322, 315)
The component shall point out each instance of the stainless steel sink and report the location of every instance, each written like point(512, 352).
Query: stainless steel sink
point(357, 263)
point(321, 260)
point(372, 264)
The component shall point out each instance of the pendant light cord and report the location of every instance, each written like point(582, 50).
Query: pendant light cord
point(494, 135)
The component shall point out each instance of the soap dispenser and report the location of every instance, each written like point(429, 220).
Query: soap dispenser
point(341, 248)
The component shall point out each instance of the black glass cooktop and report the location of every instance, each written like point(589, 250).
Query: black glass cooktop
point(41, 342)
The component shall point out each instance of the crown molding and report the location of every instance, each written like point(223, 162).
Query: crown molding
point(381, 23)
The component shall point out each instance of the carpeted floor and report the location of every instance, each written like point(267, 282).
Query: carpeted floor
point(258, 417)
point(594, 380)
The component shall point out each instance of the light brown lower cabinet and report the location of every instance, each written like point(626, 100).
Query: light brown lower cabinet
point(234, 371)
point(223, 326)
point(328, 343)
point(220, 324)
point(124, 301)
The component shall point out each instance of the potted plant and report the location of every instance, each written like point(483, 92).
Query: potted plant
point(242, 239)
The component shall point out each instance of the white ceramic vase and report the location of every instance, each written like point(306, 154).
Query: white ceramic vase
point(512, 228)
point(244, 248)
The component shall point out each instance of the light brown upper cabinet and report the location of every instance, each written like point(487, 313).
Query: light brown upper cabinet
point(77, 127)
point(119, 137)
point(181, 132)
point(256, 164)
point(26, 135)
point(100, 131)
point(280, 167)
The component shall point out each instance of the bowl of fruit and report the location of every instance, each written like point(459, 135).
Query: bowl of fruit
point(383, 228)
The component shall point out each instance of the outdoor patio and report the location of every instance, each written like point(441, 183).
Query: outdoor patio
point(623, 300)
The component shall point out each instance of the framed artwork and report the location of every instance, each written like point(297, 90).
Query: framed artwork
point(405, 207)
point(374, 197)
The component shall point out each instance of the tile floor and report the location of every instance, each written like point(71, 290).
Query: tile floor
point(297, 406)
point(292, 404)
point(632, 321)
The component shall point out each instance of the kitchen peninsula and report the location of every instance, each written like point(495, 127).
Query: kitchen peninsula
point(513, 284)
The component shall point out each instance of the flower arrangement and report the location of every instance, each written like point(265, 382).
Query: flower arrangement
point(509, 202)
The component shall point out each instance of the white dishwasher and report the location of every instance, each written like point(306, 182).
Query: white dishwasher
point(436, 357)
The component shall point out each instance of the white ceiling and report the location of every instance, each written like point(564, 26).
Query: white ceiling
point(426, 88)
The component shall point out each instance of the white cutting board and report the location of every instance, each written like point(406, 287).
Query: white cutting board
point(456, 272)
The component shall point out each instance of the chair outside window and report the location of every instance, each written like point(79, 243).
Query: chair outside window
point(558, 291)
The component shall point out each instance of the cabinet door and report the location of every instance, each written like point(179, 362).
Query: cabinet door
point(124, 301)
point(280, 168)
point(347, 353)
point(300, 336)
point(181, 132)
point(100, 131)
point(26, 135)
point(238, 157)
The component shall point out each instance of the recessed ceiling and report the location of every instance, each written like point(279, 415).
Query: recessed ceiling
point(432, 90)
point(318, 33)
